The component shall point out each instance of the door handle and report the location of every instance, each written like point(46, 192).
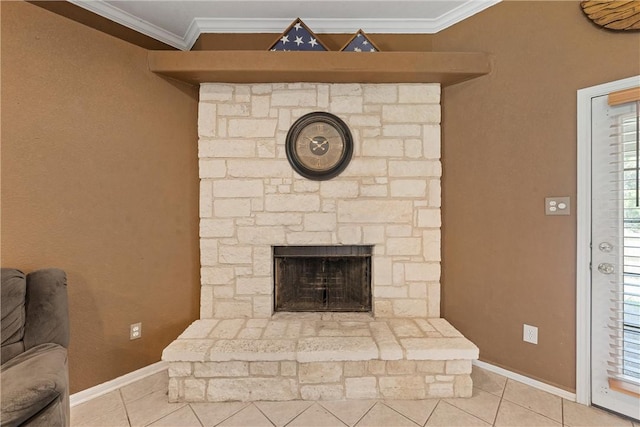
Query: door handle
point(605, 268)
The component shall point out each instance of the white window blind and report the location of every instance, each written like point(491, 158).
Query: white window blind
point(624, 325)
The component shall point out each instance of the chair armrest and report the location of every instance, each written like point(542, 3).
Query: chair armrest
point(33, 380)
point(47, 313)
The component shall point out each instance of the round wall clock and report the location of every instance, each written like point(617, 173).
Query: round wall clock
point(319, 146)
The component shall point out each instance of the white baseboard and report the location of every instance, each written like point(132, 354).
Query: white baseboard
point(526, 380)
point(104, 388)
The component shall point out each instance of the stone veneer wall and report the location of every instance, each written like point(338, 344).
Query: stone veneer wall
point(251, 199)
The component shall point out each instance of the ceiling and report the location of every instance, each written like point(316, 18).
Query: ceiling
point(180, 23)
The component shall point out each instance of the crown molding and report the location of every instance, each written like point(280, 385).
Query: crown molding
point(200, 26)
point(119, 16)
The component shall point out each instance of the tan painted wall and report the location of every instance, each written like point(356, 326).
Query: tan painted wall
point(509, 140)
point(99, 178)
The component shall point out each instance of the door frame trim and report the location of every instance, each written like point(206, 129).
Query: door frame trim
point(583, 232)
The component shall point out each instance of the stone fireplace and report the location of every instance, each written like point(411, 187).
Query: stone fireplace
point(254, 207)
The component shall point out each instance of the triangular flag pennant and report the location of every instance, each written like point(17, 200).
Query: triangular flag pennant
point(360, 42)
point(298, 37)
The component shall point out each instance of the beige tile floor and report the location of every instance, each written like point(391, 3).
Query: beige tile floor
point(496, 401)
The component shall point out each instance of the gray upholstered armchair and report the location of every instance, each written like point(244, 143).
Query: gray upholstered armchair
point(35, 337)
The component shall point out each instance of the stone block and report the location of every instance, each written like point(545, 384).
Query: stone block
point(194, 389)
point(212, 168)
point(408, 188)
point(364, 120)
point(216, 227)
point(294, 98)
point(227, 149)
point(339, 189)
point(419, 93)
point(175, 390)
point(288, 369)
point(292, 203)
point(232, 309)
point(206, 119)
point(402, 387)
point(310, 238)
point(235, 254)
point(380, 94)
point(232, 208)
point(431, 367)
point(402, 130)
point(199, 329)
point(413, 148)
point(320, 372)
point(350, 235)
point(462, 386)
point(439, 348)
point(252, 128)
point(440, 390)
point(382, 148)
point(390, 292)
point(374, 211)
point(418, 290)
point(187, 350)
point(431, 246)
point(319, 222)
point(254, 285)
point(365, 167)
point(401, 367)
point(239, 110)
point(346, 104)
point(419, 113)
point(206, 301)
point(361, 388)
point(250, 333)
point(429, 218)
point(206, 199)
point(263, 168)
point(221, 369)
point(238, 188)
point(415, 168)
point(216, 92)
point(216, 275)
point(409, 308)
point(264, 350)
point(179, 369)
point(322, 392)
point(422, 271)
point(345, 89)
point(283, 218)
point(433, 295)
point(431, 141)
point(251, 389)
point(354, 369)
point(377, 367)
point(434, 193)
point(227, 328)
point(325, 349)
point(445, 328)
point(269, 369)
point(261, 235)
point(404, 246)
point(260, 106)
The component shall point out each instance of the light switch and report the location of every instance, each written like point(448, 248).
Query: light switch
point(557, 206)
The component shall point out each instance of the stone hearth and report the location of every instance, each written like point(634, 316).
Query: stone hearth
point(251, 200)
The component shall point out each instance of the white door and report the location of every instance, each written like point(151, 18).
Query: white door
point(615, 256)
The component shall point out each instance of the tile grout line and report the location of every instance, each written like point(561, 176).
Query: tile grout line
point(126, 410)
point(265, 415)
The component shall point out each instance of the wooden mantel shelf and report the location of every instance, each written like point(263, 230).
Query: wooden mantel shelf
point(446, 68)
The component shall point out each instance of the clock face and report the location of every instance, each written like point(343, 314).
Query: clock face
point(319, 146)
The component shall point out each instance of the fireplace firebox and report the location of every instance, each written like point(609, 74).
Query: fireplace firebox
point(322, 278)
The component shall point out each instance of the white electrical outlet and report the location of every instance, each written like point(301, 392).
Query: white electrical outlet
point(530, 334)
point(135, 331)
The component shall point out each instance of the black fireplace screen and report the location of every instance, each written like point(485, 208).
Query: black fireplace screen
point(322, 278)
